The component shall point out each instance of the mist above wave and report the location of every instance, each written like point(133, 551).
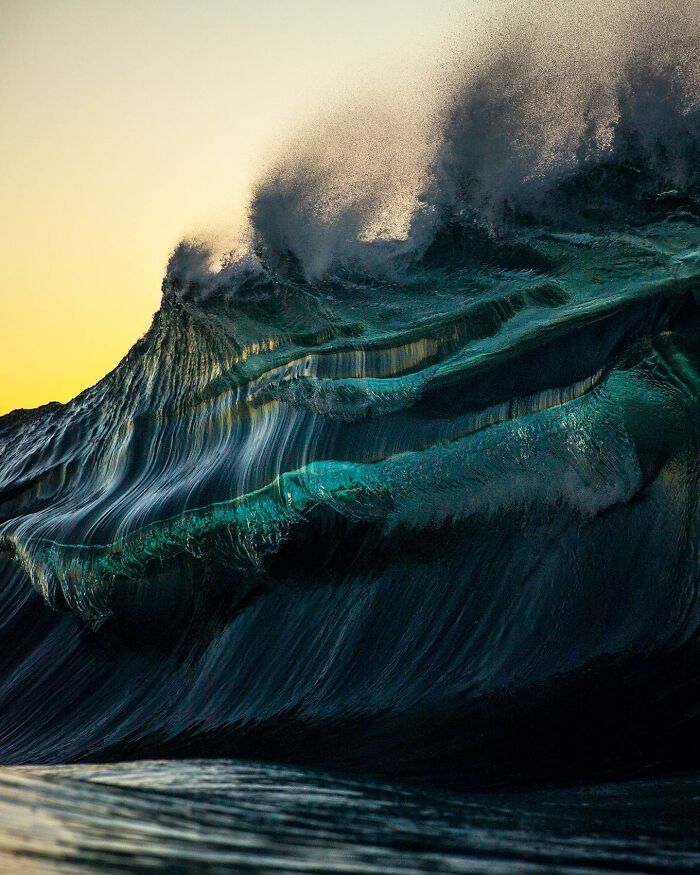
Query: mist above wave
point(563, 116)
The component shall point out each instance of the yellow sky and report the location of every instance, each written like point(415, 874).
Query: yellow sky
point(128, 123)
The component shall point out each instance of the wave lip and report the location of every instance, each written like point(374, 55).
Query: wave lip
point(264, 430)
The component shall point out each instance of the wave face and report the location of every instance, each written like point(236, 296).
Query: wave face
point(422, 505)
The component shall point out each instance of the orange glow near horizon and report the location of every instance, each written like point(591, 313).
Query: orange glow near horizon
point(126, 126)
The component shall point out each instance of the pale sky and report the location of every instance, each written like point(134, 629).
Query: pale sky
point(126, 125)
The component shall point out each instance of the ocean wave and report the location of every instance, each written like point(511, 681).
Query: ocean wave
point(412, 478)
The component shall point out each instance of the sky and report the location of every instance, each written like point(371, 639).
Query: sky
point(127, 125)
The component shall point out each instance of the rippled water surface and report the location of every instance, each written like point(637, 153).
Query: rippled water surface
point(223, 815)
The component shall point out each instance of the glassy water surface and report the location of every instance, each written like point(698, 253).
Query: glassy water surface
point(227, 815)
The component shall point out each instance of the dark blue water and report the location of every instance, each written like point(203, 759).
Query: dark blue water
point(223, 815)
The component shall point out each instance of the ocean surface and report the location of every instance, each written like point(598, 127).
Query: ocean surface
point(412, 499)
point(220, 815)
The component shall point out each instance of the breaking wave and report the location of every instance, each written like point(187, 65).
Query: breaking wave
point(407, 483)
